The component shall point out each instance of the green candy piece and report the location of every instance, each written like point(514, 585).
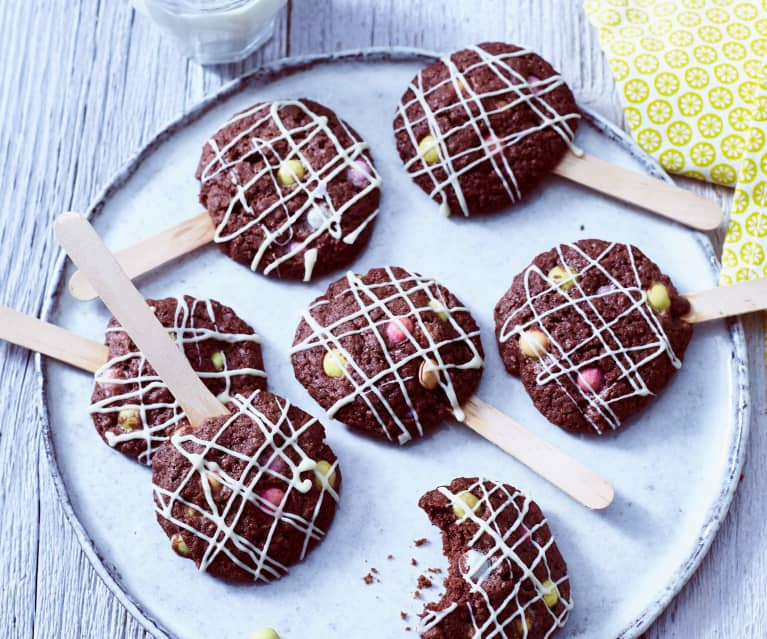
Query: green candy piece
point(658, 297)
point(265, 633)
point(439, 308)
point(564, 277)
point(218, 360)
point(128, 419)
point(179, 545)
point(471, 502)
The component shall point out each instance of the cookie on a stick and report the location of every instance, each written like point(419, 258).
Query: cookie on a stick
point(245, 493)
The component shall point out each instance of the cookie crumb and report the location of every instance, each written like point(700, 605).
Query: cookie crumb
point(424, 581)
point(390, 557)
point(417, 594)
point(420, 542)
point(413, 562)
point(374, 571)
point(403, 615)
point(435, 571)
point(368, 579)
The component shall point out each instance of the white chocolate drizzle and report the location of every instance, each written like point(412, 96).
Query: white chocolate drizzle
point(493, 548)
point(560, 363)
point(280, 438)
point(524, 91)
point(370, 390)
point(131, 393)
point(269, 154)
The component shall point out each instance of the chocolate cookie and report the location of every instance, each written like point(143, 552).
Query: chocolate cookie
point(390, 353)
point(507, 577)
point(477, 129)
point(132, 408)
point(291, 189)
point(594, 330)
point(247, 495)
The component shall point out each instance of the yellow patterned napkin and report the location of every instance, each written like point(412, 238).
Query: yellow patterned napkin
point(693, 82)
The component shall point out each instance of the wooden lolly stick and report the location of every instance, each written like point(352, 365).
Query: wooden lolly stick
point(727, 301)
point(115, 288)
point(570, 476)
point(54, 341)
point(153, 252)
point(641, 190)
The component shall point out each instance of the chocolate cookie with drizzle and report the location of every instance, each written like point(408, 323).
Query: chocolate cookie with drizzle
point(291, 189)
point(248, 494)
point(133, 410)
point(594, 329)
point(477, 129)
point(506, 576)
point(390, 353)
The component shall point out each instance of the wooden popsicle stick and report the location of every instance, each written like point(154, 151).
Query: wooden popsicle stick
point(727, 301)
point(54, 341)
point(153, 252)
point(116, 290)
point(641, 190)
point(570, 476)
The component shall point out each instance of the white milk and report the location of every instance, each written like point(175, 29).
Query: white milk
point(215, 31)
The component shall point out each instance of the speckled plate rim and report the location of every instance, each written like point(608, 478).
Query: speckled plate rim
point(110, 575)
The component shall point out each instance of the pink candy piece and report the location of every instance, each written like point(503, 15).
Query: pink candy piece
point(394, 332)
point(591, 380)
point(534, 79)
point(273, 496)
point(359, 173)
point(493, 145)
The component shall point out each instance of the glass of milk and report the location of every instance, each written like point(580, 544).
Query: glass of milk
point(215, 31)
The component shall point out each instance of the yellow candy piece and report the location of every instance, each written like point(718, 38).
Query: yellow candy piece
point(218, 360)
point(523, 626)
point(550, 593)
point(564, 277)
point(334, 363)
point(428, 376)
point(471, 502)
point(534, 343)
point(439, 308)
point(323, 470)
point(265, 633)
point(290, 172)
point(128, 419)
point(429, 149)
point(658, 297)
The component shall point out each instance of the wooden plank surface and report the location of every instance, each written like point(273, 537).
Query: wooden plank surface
point(85, 83)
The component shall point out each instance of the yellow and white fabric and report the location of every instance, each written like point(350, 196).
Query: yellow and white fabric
point(693, 81)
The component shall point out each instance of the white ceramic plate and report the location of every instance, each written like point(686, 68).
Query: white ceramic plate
point(674, 470)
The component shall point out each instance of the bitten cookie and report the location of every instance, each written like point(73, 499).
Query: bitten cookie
point(506, 576)
point(247, 495)
point(133, 410)
point(595, 332)
point(390, 353)
point(479, 128)
point(291, 189)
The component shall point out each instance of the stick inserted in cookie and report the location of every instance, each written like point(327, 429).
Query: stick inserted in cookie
point(727, 301)
point(86, 249)
point(570, 476)
point(51, 340)
point(646, 192)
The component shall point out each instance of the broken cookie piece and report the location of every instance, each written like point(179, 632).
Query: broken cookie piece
point(506, 576)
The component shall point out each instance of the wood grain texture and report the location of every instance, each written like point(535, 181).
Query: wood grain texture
point(85, 83)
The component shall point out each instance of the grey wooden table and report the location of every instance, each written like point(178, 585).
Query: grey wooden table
point(83, 85)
